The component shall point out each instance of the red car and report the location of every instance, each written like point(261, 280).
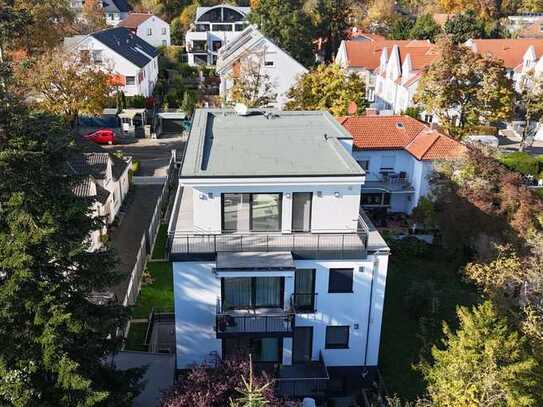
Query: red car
point(104, 136)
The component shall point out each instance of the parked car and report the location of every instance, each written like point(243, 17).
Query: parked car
point(103, 136)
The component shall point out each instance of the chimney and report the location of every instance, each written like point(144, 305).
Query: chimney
point(371, 111)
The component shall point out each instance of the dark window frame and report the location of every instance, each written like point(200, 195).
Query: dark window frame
point(333, 290)
point(251, 229)
point(253, 296)
point(311, 307)
point(310, 212)
point(334, 345)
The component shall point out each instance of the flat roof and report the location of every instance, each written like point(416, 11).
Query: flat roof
point(267, 143)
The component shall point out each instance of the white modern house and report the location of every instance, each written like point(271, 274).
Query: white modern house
point(105, 182)
point(252, 51)
point(213, 27)
point(397, 153)
point(132, 62)
point(271, 253)
point(149, 28)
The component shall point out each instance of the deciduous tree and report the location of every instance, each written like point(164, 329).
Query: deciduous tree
point(463, 88)
point(93, 18)
point(483, 363)
point(529, 105)
point(327, 87)
point(286, 23)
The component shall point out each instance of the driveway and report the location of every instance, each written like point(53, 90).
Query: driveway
point(126, 238)
point(153, 154)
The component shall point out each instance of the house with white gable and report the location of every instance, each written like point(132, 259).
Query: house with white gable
point(132, 62)
point(397, 153)
point(398, 75)
point(213, 28)
point(149, 28)
point(116, 11)
point(362, 55)
point(252, 47)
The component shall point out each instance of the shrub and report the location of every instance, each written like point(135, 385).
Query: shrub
point(410, 247)
point(135, 166)
point(523, 163)
point(135, 102)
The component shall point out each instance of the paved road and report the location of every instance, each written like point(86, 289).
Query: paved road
point(509, 142)
point(153, 155)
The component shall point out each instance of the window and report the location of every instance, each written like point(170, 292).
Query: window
point(375, 199)
point(371, 95)
point(365, 164)
point(149, 31)
point(130, 80)
point(252, 292)
point(251, 212)
point(97, 56)
point(269, 63)
point(388, 162)
point(164, 43)
point(340, 281)
point(261, 349)
point(337, 337)
point(164, 31)
point(428, 118)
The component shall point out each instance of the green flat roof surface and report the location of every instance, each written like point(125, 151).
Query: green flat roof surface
point(225, 144)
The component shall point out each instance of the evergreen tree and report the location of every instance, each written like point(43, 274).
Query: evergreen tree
point(332, 18)
point(461, 27)
point(425, 28)
point(286, 23)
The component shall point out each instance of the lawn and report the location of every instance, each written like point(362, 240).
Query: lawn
point(158, 294)
point(136, 337)
point(159, 250)
point(420, 294)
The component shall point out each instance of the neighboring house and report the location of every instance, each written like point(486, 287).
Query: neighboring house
point(213, 27)
point(148, 27)
point(115, 10)
point(105, 182)
point(397, 153)
point(132, 62)
point(517, 23)
point(271, 254)
point(251, 46)
point(362, 55)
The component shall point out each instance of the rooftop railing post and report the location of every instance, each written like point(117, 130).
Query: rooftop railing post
point(267, 243)
point(342, 245)
point(318, 244)
point(241, 242)
point(188, 244)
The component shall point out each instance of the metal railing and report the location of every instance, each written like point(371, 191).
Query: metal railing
point(238, 322)
point(305, 386)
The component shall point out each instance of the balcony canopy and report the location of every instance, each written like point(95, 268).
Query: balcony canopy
point(254, 261)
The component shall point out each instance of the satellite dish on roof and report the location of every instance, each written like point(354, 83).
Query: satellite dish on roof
point(241, 109)
point(352, 108)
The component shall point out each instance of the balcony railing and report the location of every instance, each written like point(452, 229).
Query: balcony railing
point(309, 379)
point(273, 322)
point(182, 245)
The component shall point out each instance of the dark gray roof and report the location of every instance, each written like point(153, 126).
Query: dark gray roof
point(84, 189)
point(128, 45)
point(94, 164)
point(112, 6)
point(267, 144)
point(102, 194)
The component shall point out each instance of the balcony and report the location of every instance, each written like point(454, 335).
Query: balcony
point(389, 182)
point(299, 380)
point(263, 321)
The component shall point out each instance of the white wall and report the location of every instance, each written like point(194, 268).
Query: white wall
point(328, 214)
point(160, 32)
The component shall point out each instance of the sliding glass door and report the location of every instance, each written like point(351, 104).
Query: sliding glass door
point(251, 212)
point(301, 211)
point(304, 290)
point(252, 292)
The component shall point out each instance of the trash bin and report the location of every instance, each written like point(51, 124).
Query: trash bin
point(147, 130)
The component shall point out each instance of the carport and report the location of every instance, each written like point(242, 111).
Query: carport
point(173, 122)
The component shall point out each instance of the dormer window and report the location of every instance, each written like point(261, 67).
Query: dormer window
point(149, 31)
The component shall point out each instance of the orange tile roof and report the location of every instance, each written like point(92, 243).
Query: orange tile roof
point(367, 54)
point(400, 133)
point(509, 51)
point(134, 20)
point(533, 30)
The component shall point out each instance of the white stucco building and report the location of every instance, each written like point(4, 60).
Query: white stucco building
point(133, 63)
point(398, 153)
point(213, 27)
point(149, 28)
point(271, 253)
point(252, 51)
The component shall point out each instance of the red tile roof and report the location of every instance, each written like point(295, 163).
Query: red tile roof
point(367, 54)
point(534, 30)
point(400, 133)
point(509, 51)
point(134, 20)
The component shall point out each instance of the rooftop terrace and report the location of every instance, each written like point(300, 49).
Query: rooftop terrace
point(266, 143)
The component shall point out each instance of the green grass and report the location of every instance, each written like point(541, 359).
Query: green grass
point(159, 251)
point(136, 337)
point(402, 332)
point(158, 294)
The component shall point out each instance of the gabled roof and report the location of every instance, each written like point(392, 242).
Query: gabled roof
point(128, 45)
point(134, 20)
point(116, 6)
point(509, 51)
point(400, 133)
point(367, 54)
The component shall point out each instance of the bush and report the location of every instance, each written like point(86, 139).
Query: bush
point(421, 299)
point(135, 102)
point(135, 166)
point(523, 163)
point(410, 247)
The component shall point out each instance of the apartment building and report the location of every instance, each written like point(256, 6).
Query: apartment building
point(271, 253)
point(213, 27)
point(398, 154)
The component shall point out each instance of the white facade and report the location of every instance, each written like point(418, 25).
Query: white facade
point(137, 80)
point(213, 28)
point(152, 30)
point(251, 47)
point(342, 59)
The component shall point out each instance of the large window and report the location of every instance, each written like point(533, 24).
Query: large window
point(252, 292)
point(340, 281)
point(130, 80)
point(261, 349)
point(251, 212)
point(337, 337)
point(375, 199)
point(304, 290)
